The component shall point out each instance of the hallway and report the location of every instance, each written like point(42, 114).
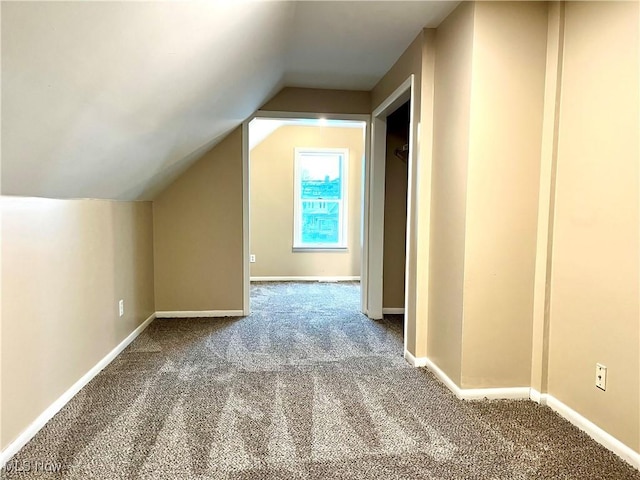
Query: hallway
point(305, 387)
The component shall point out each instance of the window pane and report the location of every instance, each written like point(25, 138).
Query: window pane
point(321, 177)
point(320, 221)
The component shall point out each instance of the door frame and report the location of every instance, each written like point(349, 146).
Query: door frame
point(246, 224)
point(405, 92)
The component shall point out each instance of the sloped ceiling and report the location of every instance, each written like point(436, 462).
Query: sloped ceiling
point(114, 99)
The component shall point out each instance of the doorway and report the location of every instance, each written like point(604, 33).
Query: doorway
point(402, 96)
point(305, 199)
point(395, 211)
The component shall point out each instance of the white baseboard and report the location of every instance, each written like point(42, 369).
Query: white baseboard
point(538, 397)
point(393, 311)
point(414, 361)
point(316, 278)
point(200, 314)
point(598, 434)
point(55, 407)
point(472, 393)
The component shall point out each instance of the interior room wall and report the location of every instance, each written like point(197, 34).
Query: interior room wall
point(395, 210)
point(317, 100)
point(454, 49)
point(408, 64)
point(198, 234)
point(594, 308)
point(272, 202)
point(65, 266)
point(507, 98)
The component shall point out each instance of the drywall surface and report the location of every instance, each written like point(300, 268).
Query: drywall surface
point(65, 266)
point(507, 97)
point(452, 100)
point(115, 99)
point(594, 287)
point(198, 234)
point(546, 198)
point(410, 63)
point(316, 100)
point(272, 203)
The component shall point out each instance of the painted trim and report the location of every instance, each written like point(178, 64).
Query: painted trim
point(397, 98)
point(319, 278)
point(477, 393)
point(413, 361)
point(393, 311)
point(42, 419)
point(277, 114)
point(246, 225)
point(594, 431)
point(537, 397)
point(376, 183)
point(364, 221)
point(200, 314)
point(342, 245)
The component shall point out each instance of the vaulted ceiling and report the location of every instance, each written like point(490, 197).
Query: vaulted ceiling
point(114, 99)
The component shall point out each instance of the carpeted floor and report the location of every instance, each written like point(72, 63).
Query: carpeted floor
point(306, 387)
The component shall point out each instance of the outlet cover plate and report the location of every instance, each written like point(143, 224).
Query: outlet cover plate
point(601, 376)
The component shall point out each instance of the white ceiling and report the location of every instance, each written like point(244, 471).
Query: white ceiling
point(115, 99)
point(262, 128)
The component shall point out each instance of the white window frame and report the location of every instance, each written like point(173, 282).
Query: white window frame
point(298, 245)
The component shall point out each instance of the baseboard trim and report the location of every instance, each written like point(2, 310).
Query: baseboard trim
point(200, 313)
point(313, 278)
point(538, 397)
point(414, 361)
point(393, 311)
point(35, 426)
point(594, 431)
point(477, 393)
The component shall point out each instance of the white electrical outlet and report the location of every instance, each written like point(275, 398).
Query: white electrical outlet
point(121, 307)
point(252, 258)
point(601, 376)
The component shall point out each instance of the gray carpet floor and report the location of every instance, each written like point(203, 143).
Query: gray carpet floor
point(306, 387)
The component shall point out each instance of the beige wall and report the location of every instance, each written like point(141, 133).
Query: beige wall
point(454, 48)
point(272, 182)
point(411, 62)
point(594, 291)
point(198, 218)
point(489, 95)
point(507, 97)
point(395, 224)
point(198, 234)
point(317, 100)
point(65, 266)
point(546, 198)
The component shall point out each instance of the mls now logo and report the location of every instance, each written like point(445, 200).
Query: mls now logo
point(21, 466)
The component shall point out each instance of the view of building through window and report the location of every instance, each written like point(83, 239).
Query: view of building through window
point(320, 198)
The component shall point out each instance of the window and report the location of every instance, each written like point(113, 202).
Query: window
point(320, 191)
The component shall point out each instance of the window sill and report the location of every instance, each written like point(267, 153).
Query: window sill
point(321, 249)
